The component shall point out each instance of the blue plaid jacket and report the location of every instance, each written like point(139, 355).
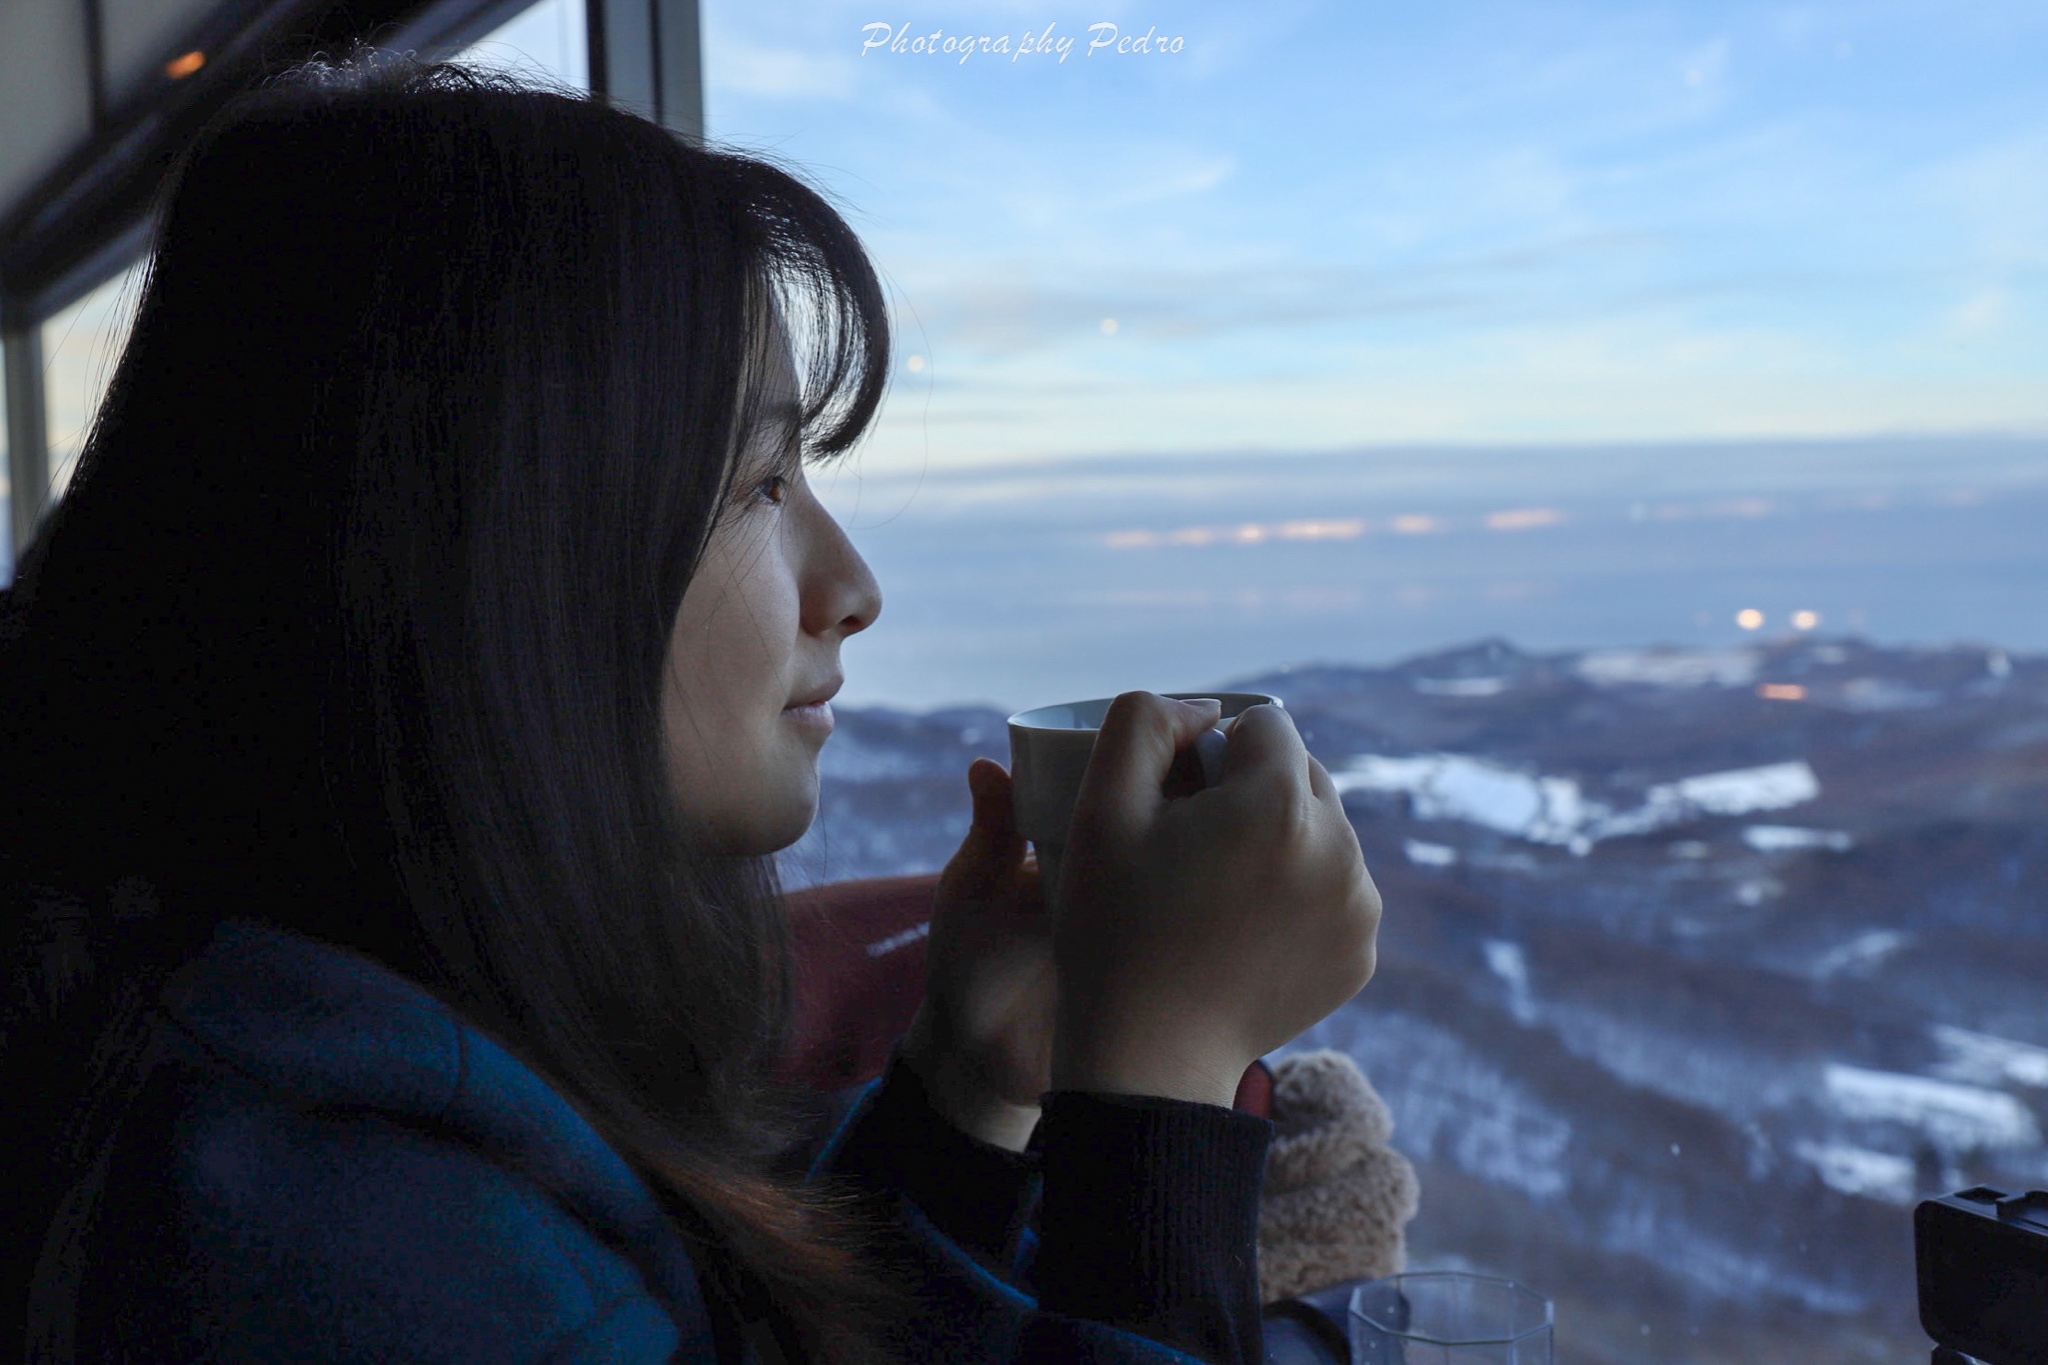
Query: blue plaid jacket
point(326, 1164)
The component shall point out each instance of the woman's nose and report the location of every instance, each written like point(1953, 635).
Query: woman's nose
point(842, 597)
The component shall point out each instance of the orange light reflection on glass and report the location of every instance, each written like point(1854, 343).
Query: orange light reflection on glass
point(180, 67)
point(1781, 692)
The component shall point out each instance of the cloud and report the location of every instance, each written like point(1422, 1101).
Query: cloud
point(1194, 177)
point(1010, 319)
point(1976, 315)
point(1652, 378)
point(1018, 308)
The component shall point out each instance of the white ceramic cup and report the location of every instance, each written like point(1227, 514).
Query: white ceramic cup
point(1049, 749)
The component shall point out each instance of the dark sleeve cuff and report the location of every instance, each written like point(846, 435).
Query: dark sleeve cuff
point(1150, 1219)
point(976, 1194)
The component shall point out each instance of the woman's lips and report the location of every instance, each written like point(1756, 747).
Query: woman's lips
point(816, 715)
point(815, 712)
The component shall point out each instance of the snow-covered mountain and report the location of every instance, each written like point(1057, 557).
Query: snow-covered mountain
point(1699, 968)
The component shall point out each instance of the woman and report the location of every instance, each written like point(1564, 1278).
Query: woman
point(437, 635)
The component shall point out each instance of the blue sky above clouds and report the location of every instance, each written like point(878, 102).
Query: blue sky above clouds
point(1327, 224)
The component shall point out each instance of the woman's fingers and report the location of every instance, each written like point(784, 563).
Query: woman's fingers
point(1264, 742)
point(1320, 783)
point(1135, 749)
point(1197, 935)
point(991, 855)
point(995, 810)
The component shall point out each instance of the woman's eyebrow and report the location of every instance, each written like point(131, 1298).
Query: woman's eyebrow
point(774, 412)
point(777, 427)
point(786, 418)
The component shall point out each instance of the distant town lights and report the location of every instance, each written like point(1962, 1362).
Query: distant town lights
point(1749, 618)
point(1805, 620)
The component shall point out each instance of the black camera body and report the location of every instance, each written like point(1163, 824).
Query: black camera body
point(1983, 1263)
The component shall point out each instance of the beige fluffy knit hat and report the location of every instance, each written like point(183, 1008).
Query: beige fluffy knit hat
point(1337, 1197)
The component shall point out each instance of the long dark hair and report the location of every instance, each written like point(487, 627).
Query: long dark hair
point(354, 616)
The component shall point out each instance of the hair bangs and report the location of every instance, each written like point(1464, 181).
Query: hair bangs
point(825, 292)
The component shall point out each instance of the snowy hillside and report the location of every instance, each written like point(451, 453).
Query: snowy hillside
point(1698, 967)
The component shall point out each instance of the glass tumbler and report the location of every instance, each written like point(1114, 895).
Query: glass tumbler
point(1449, 1318)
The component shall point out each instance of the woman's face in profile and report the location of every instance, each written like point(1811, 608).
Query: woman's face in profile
point(753, 657)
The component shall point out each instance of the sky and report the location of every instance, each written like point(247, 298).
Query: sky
point(1318, 226)
point(1502, 259)
point(1325, 225)
point(1355, 264)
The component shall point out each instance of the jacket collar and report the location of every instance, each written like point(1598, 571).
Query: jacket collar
point(329, 1026)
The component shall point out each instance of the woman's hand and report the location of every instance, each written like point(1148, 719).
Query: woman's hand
point(1196, 935)
point(982, 1040)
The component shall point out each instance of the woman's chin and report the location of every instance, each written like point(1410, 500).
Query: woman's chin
point(775, 826)
point(755, 813)
point(795, 829)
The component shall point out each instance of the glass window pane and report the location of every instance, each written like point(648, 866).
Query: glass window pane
point(548, 38)
point(1619, 435)
point(82, 343)
point(6, 503)
point(45, 89)
point(81, 346)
